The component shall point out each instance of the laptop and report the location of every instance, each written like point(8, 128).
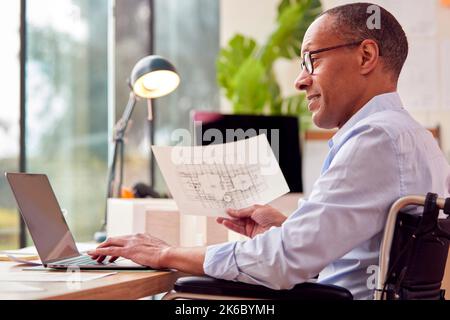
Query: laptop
point(48, 228)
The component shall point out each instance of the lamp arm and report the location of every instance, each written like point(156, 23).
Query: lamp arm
point(119, 145)
point(122, 124)
point(118, 152)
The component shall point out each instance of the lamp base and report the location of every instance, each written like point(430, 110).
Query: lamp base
point(142, 190)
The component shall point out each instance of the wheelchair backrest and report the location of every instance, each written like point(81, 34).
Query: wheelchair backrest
point(418, 254)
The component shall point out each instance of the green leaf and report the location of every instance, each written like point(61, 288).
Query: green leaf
point(276, 100)
point(250, 88)
point(231, 59)
point(294, 17)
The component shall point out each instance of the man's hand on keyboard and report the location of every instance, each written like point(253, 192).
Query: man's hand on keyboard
point(140, 248)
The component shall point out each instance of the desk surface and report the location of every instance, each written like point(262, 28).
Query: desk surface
point(123, 285)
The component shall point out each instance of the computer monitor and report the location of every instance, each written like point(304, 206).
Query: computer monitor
point(288, 151)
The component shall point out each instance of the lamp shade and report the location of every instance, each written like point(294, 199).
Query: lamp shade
point(153, 77)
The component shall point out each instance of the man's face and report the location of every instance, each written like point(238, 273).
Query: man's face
point(333, 88)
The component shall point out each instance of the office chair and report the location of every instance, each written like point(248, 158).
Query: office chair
point(412, 260)
point(287, 149)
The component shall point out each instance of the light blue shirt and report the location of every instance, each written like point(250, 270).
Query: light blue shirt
point(378, 156)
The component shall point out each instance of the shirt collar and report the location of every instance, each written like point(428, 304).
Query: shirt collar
point(378, 103)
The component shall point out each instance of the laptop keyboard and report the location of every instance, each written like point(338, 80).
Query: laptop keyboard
point(78, 261)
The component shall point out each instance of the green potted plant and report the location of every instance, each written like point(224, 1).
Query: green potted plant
point(245, 68)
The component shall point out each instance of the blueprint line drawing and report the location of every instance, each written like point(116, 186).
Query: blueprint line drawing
point(207, 184)
point(218, 185)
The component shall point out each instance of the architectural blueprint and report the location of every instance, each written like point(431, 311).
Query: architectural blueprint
point(207, 180)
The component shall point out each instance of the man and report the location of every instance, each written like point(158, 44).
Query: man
point(350, 74)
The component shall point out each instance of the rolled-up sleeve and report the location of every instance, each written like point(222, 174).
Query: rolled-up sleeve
point(347, 207)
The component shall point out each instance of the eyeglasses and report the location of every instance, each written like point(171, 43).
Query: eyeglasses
point(308, 61)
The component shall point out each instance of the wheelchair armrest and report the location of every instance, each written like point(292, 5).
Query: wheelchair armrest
point(303, 291)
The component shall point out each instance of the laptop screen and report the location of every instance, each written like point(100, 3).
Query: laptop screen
point(41, 212)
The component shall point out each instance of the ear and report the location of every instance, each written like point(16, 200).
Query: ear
point(369, 56)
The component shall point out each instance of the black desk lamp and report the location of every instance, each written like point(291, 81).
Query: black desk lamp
point(151, 77)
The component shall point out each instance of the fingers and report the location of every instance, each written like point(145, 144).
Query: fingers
point(116, 241)
point(100, 254)
point(243, 213)
point(234, 226)
point(112, 259)
point(239, 222)
point(220, 220)
point(100, 259)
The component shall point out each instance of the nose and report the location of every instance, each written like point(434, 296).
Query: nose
point(303, 81)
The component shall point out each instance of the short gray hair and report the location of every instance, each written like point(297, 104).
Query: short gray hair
point(351, 24)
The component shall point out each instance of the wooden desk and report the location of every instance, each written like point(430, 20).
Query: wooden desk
point(123, 285)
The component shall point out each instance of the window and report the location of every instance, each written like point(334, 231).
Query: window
point(133, 41)
point(66, 105)
point(72, 98)
point(9, 119)
point(186, 33)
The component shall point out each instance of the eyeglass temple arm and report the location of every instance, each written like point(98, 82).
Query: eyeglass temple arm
point(335, 47)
